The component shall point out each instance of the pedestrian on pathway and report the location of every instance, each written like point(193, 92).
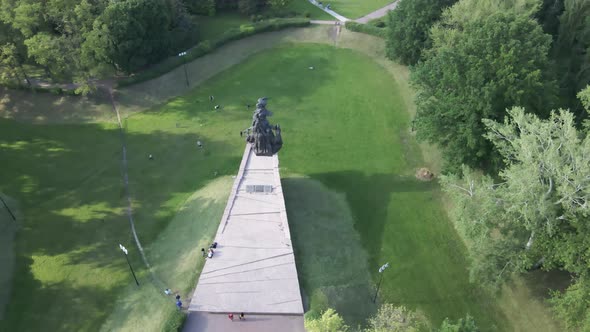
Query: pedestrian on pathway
point(167, 291)
point(242, 316)
point(177, 297)
point(179, 304)
point(231, 317)
point(211, 98)
point(203, 252)
point(210, 253)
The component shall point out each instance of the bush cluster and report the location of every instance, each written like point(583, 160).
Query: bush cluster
point(366, 28)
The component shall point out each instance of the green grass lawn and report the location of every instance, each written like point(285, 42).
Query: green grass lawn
point(354, 9)
point(355, 206)
point(211, 27)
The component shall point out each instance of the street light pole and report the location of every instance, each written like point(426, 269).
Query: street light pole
point(381, 269)
point(128, 263)
point(182, 54)
point(7, 208)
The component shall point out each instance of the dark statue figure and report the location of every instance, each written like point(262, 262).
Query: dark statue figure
point(265, 139)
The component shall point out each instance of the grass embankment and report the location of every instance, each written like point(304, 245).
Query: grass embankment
point(354, 9)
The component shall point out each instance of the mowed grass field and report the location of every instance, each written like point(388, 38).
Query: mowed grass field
point(354, 9)
point(352, 201)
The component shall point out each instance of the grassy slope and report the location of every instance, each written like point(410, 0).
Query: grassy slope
point(354, 9)
point(175, 256)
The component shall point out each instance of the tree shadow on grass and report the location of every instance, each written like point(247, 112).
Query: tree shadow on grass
point(44, 107)
point(331, 261)
point(68, 182)
point(398, 220)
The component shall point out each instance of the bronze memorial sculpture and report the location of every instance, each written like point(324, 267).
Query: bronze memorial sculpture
point(265, 139)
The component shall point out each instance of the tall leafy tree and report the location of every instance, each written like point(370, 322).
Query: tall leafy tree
point(11, 64)
point(130, 34)
point(390, 318)
point(476, 69)
point(537, 213)
point(329, 321)
point(409, 27)
point(571, 52)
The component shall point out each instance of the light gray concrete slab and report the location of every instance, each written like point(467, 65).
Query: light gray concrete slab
point(201, 321)
point(253, 269)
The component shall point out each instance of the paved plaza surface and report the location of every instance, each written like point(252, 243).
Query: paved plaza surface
point(202, 321)
point(253, 268)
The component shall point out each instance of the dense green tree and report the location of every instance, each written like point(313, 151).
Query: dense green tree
point(409, 27)
point(548, 16)
point(537, 214)
point(201, 7)
point(248, 7)
point(476, 69)
point(130, 34)
point(329, 321)
point(11, 65)
point(390, 318)
point(572, 307)
point(571, 52)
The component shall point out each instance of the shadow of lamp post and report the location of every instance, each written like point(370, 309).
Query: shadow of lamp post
point(128, 263)
point(381, 269)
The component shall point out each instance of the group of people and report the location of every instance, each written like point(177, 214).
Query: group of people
point(167, 291)
point(210, 252)
point(231, 316)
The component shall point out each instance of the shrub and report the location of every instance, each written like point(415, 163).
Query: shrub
point(366, 28)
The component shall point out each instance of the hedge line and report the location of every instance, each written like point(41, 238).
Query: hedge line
point(366, 28)
point(207, 46)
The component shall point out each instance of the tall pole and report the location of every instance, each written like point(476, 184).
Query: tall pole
point(182, 54)
point(381, 269)
point(7, 208)
point(128, 263)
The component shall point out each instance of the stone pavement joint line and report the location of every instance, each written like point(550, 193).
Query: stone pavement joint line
point(253, 268)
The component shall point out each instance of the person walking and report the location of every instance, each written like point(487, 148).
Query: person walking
point(231, 317)
point(179, 304)
point(242, 316)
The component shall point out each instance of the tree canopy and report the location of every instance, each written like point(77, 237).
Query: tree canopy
point(536, 214)
point(476, 69)
point(409, 28)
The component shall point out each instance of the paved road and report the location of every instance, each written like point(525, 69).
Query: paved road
point(378, 13)
point(329, 11)
point(323, 22)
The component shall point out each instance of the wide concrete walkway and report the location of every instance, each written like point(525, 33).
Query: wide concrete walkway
point(202, 321)
point(253, 268)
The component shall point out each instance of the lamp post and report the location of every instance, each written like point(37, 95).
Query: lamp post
point(124, 250)
point(381, 269)
point(182, 54)
point(7, 208)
